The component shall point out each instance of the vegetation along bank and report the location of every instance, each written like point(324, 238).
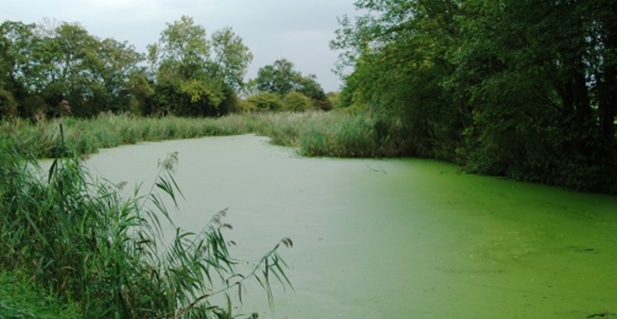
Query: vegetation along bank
point(510, 88)
point(521, 89)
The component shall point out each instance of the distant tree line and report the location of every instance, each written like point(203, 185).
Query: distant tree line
point(521, 88)
point(51, 68)
point(281, 87)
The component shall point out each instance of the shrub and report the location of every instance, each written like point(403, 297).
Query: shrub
point(265, 102)
point(245, 106)
point(296, 102)
point(8, 105)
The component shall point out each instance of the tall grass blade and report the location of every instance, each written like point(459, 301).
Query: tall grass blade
point(87, 244)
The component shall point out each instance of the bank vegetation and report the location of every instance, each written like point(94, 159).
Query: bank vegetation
point(511, 88)
point(87, 248)
point(521, 89)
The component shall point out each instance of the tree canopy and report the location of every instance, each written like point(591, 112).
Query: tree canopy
point(45, 64)
point(185, 73)
point(525, 89)
point(281, 78)
point(196, 76)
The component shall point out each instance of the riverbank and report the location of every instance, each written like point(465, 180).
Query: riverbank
point(496, 237)
point(400, 238)
point(349, 133)
point(85, 245)
point(333, 134)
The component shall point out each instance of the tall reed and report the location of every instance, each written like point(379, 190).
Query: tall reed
point(108, 254)
point(20, 298)
point(314, 133)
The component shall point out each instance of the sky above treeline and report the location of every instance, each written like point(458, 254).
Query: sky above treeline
point(297, 30)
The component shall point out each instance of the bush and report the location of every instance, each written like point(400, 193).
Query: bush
point(265, 102)
point(8, 105)
point(295, 101)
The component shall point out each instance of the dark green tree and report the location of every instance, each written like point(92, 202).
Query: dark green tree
point(281, 78)
point(43, 67)
point(398, 56)
point(47, 63)
point(516, 88)
point(16, 45)
point(115, 66)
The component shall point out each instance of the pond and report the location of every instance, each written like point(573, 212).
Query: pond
point(396, 238)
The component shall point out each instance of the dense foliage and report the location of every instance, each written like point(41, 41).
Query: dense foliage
point(281, 78)
point(314, 133)
point(20, 298)
point(194, 76)
point(526, 89)
point(516, 88)
point(42, 66)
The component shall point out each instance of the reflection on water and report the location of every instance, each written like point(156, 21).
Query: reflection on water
point(393, 238)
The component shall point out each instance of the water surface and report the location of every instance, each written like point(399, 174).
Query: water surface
point(393, 238)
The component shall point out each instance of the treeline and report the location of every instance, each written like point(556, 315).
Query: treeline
point(50, 69)
point(525, 89)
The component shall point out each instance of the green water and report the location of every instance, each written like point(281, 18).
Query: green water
point(393, 238)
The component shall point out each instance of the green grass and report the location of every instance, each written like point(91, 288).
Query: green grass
point(22, 299)
point(86, 136)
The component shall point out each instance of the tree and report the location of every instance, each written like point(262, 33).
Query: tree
point(281, 78)
point(264, 101)
point(191, 79)
point(308, 86)
point(65, 56)
point(8, 106)
point(297, 102)
point(514, 88)
point(540, 102)
point(141, 93)
point(16, 45)
point(231, 58)
point(115, 66)
point(93, 74)
point(397, 53)
point(42, 65)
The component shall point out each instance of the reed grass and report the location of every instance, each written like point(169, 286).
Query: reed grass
point(314, 133)
point(107, 254)
point(344, 136)
point(91, 247)
point(20, 298)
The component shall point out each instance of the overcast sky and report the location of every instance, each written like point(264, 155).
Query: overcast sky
point(297, 30)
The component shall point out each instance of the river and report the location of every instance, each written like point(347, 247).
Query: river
point(402, 238)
